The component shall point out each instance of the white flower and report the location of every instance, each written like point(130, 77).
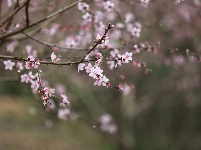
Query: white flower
point(127, 57)
point(11, 46)
point(136, 32)
point(63, 113)
point(29, 62)
point(9, 64)
point(53, 57)
point(64, 100)
point(95, 71)
point(105, 119)
point(98, 37)
point(108, 5)
point(88, 68)
point(87, 17)
point(129, 17)
point(83, 6)
point(19, 66)
point(49, 91)
point(126, 88)
point(25, 78)
point(81, 67)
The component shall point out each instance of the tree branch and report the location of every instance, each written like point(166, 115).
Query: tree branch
point(40, 21)
point(27, 12)
point(45, 62)
point(12, 13)
point(98, 42)
point(52, 45)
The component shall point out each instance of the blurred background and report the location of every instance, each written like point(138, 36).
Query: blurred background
point(162, 113)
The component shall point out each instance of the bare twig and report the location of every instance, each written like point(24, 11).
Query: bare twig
point(40, 21)
point(52, 45)
point(12, 14)
point(79, 116)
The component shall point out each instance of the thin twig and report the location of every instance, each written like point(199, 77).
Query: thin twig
point(40, 21)
point(81, 117)
point(45, 62)
point(52, 45)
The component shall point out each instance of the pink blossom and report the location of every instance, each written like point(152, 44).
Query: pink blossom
point(53, 57)
point(9, 65)
point(87, 16)
point(105, 81)
point(105, 118)
point(49, 91)
point(88, 68)
point(136, 49)
point(98, 37)
point(63, 113)
point(98, 63)
point(36, 64)
point(64, 100)
point(126, 88)
point(84, 7)
point(95, 71)
point(127, 57)
point(107, 125)
point(34, 85)
point(136, 32)
point(108, 5)
point(11, 46)
point(31, 52)
point(29, 62)
point(53, 29)
point(19, 66)
point(111, 64)
point(129, 17)
point(25, 78)
point(81, 67)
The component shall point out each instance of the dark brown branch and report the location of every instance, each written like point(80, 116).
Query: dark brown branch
point(45, 62)
point(40, 21)
point(27, 12)
point(12, 14)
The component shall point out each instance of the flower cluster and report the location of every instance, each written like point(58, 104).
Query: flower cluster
point(31, 62)
point(107, 125)
point(116, 59)
point(95, 72)
point(33, 79)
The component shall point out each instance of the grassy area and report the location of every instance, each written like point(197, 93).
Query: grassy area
point(20, 130)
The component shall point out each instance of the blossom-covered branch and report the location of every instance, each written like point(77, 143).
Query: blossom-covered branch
point(45, 62)
point(99, 41)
